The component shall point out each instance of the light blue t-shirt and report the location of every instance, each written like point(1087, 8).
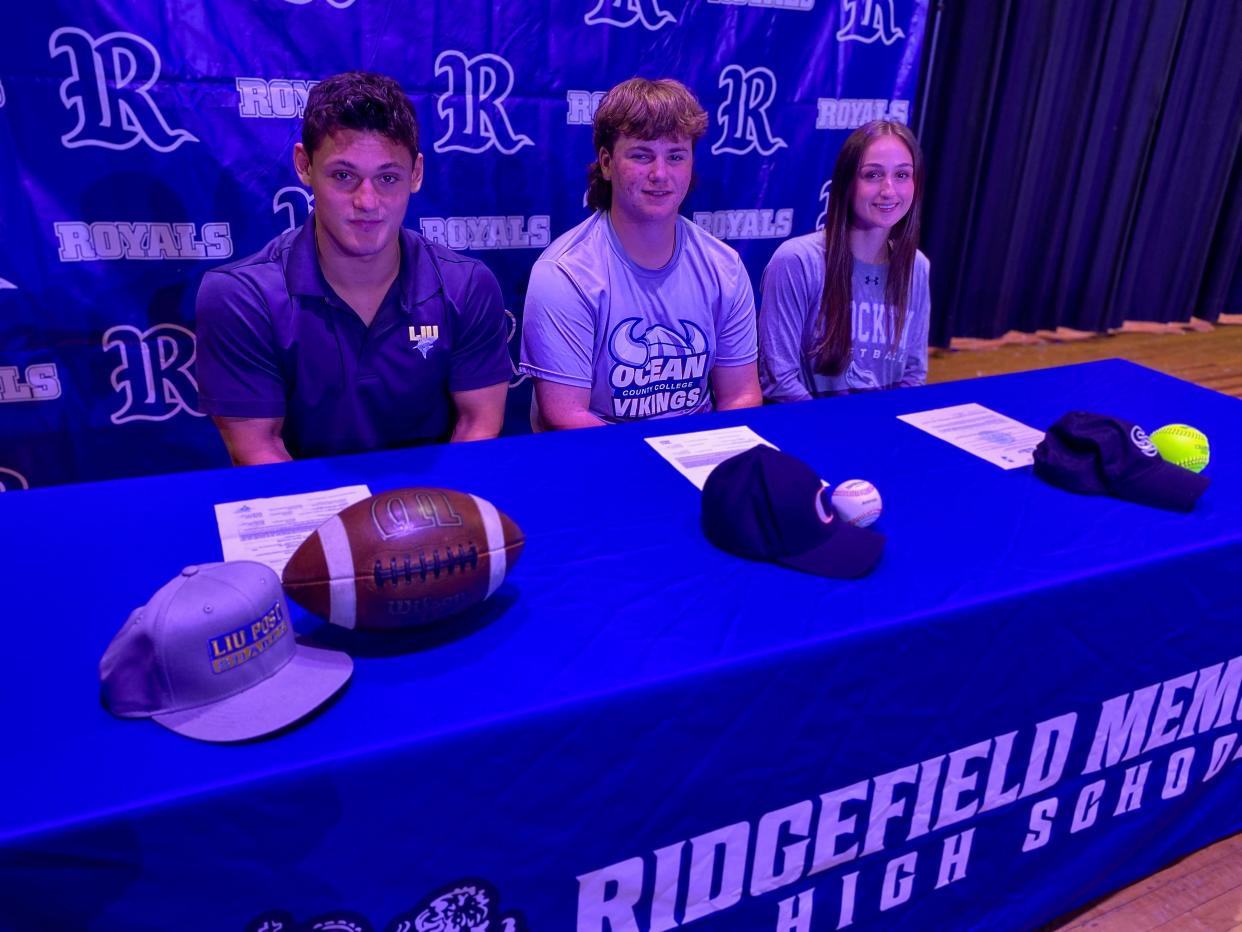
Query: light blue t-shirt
point(644, 341)
point(790, 293)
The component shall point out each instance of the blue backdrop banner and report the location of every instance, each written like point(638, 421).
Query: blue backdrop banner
point(141, 144)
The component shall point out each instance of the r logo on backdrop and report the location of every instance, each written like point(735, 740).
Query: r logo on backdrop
point(109, 88)
point(138, 217)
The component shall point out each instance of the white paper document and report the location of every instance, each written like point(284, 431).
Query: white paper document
point(981, 431)
point(268, 530)
point(696, 454)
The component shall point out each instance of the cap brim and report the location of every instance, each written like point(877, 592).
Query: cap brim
point(849, 553)
point(1164, 485)
point(311, 677)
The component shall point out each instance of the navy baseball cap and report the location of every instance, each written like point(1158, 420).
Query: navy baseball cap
point(767, 505)
point(1100, 455)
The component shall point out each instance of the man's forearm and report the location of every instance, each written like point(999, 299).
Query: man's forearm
point(569, 420)
point(467, 430)
point(252, 442)
point(751, 399)
point(261, 457)
point(257, 454)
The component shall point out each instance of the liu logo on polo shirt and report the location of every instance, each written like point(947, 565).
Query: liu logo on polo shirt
point(424, 337)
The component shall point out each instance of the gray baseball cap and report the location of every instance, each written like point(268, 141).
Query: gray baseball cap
point(213, 656)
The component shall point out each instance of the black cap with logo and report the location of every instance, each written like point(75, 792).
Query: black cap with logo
point(1100, 455)
point(767, 505)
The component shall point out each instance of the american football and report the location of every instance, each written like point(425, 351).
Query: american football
point(403, 558)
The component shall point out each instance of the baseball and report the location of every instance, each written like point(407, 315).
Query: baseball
point(857, 501)
point(1183, 445)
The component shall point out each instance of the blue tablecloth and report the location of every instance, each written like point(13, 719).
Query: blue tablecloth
point(1030, 702)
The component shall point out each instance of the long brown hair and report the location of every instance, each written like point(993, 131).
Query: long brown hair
point(831, 351)
point(641, 109)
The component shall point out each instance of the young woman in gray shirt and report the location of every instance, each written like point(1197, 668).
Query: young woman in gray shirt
point(845, 309)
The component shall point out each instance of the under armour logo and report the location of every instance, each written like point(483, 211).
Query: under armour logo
point(743, 116)
point(108, 88)
point(626, 13)
point(871, 279)
point(868, 20)
point(822, 219)
point(473, 105)
point(295, 202)
point(154, 374)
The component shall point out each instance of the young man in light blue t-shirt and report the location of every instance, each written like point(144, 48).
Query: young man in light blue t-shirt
point(636, 312)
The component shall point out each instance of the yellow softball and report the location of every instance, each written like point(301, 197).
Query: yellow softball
point(1183, 445)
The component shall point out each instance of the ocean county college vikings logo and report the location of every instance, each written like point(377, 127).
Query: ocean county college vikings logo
point(656, 371)
point(743, 116)
point(109, 89)
point(868, 20)
point(473, 107)
point(626, 13)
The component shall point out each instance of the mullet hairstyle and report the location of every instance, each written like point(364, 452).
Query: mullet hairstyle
point(641, 109)
point(363, 101)
point(830, 355)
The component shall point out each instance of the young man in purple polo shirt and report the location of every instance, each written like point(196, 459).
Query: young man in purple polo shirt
point(636, 312)
point(351, 333)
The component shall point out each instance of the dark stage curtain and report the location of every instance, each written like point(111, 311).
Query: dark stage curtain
point(1084, 163)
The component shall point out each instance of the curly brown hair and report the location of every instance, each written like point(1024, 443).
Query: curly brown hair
point(641, 109)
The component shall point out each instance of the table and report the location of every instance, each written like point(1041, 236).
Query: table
point(1030, 702)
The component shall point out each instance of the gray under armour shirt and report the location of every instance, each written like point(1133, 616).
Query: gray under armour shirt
point(790, 292)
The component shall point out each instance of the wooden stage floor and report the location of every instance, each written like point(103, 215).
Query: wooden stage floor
point(1204, 890)
point(1208, 357)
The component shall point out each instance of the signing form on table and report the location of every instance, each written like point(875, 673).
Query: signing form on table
point(268, 530)
point(697, 453)
point(981, 431)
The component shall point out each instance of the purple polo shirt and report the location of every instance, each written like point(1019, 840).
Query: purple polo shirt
point(274, 340)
